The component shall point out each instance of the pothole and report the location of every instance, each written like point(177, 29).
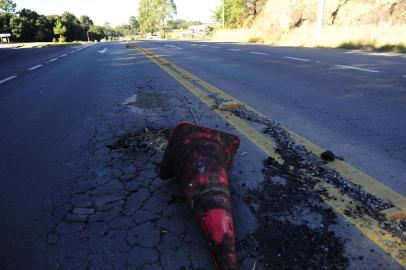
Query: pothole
point(148, 101)
point(146, 139)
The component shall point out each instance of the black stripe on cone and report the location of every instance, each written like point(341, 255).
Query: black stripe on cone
point(199, 158)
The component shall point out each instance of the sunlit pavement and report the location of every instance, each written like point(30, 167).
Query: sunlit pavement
point(72, 202)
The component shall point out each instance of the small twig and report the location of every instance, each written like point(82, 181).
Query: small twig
point(194, 116)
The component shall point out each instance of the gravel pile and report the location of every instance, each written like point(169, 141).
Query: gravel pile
point(316, 170)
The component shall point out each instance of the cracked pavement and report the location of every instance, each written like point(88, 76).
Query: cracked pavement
point(103, 208)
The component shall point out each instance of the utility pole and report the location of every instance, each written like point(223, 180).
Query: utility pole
point(224, 13)
point(320, 18)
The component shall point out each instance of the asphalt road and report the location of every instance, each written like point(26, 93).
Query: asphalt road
point(350, 102)
point(68, 202)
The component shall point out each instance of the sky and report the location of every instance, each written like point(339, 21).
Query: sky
point(117, 11)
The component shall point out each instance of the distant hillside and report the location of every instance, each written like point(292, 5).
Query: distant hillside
point(292, 22)
point(295, 13)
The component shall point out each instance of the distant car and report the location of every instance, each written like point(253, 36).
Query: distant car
point(153, 36)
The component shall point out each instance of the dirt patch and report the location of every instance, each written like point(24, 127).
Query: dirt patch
point(146, 140)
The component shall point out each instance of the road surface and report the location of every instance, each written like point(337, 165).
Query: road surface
point(69, 201)
point(351, 103)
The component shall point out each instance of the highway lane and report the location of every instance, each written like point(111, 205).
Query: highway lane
point(390, 62)
point(45, 124)
point(342, 100)
point(14, 61)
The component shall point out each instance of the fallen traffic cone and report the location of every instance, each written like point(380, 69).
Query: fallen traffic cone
point(199, 158)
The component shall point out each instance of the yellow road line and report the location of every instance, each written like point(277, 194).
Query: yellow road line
point(367, 225)
point(369, 183)
point(257, 138)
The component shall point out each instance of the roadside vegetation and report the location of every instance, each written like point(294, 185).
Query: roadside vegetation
point(29, 26)
point(397, 48)
point(367, 25)
point(154, 16)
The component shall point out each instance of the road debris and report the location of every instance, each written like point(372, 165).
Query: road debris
point(194, 117)
point(229, 105)
point(328, 156)
point(199, 157)
point(392, 214)
point(142, 140)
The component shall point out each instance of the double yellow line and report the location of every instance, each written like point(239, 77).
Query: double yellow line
point(366, 224)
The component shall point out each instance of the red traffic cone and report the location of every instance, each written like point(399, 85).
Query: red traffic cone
point(199, 158)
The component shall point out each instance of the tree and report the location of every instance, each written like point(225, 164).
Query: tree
point(8, 6)
point(147, 17)
point(74, 31)
point(153, 14)
point(166, 9)
point(96, 32)
point(86, 23)
point(234, 11)
point(237, 12)
point(108, 30)
point(23, 27)
point(133, 24)
point(124, 30)
point(181, 23)
point(44, 28)
point(5, 22)
point(61, 30)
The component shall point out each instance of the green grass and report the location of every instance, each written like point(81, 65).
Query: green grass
point(396, 48)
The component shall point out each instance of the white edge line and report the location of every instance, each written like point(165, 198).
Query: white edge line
point(234, 50)
point(52, 60)
point(72, 52)
point(35, 67)
point(8, 79)
point(63, 55)
point(357, 68)
point(296, 58)
point(259, 53)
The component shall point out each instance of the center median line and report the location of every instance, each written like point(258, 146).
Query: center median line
point(339, 201)
point(297, 58)
point(258, 53)
point(357, 68)
point(52, 60)
point(34, 68)
point(8, 79)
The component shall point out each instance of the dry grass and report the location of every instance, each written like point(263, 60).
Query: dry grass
point(384, 37)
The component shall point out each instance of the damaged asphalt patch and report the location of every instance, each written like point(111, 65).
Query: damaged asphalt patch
point(150, 101)
point(147, 139)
